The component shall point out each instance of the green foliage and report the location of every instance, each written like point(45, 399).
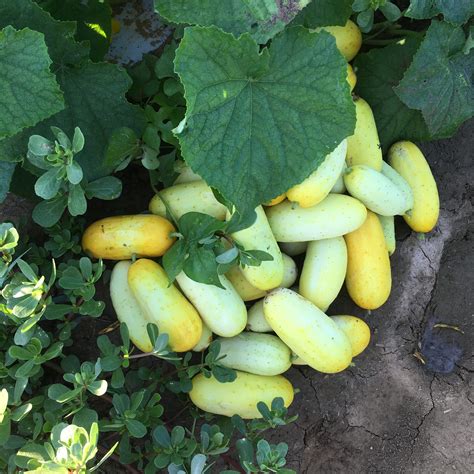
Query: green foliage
point(32, 96)
point(325, 13)
point(205, 249)
point(453, 11)
point(62, 183)
point(249, 111)
point(263, 19)
point(439, 80)
point(378, 71)
point(56, 426)
point(367, 8)
point(93, 94)
point(251, 116)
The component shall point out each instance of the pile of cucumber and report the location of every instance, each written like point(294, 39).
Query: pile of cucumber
point(266, 319)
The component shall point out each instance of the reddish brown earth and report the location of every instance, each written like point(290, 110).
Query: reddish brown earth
point(388, 413)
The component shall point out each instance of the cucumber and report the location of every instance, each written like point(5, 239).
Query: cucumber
point(363, 148)
point(245, 290)
point(324, 271)
point(290, 271)
point(164, 305)
point(259, 236)
point(185, 173)
point(351, 77)
point(320, 182)
point(123, 237)
point(388, 228)
point(376, 191)
point(293, 248)
point(260, 354)
point(408, 160)
point(194, 196)
point(275, 200)
point(256, 321)
point(356, 330)
point(368, 278)
point(400, 182)
point(222, 310)
point(127, 308)
point(205, 340)
point(334, 216)
point(241, 396)
point(307, 331)
point(339, 187)
point(348, 38)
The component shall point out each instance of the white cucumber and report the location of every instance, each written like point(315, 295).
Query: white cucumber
point(256, 321)
point(324, 271)
point(388, 227)
point(319, 183)
point(334, 216)
point(290, 271)
point(222, 310)
point(378, 193)
point(339, 186)
point(259, 236)
point(400, 182)
point(293, 248)
point(260, 354)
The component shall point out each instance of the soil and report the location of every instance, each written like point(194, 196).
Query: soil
point(389, 413)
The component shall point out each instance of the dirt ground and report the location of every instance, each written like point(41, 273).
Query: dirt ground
point(390, 413)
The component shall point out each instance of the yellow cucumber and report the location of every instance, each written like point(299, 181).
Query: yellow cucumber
point(307, 331)
point(408, 160)
point(276, 200)
point(246, 291)
point(363, 148)
point(122, 237)
point(377, 192)
point(260, 354)
point(400, 182)
point(334, 216)
point(324, 271)
point(241, 396)
point(194, 196)
point(348, 38)
point(222, 310)
point(164, 305)
point(205, 340)
point(319, 183)
point(356, 330)
point(388, 228)
point(339, 186)
point(256, 321)
point(126, 307)
point(293, 248)
point(185, 173)
point(369, 277)
point(351, 77)
point(259, 236)
point(290, 271)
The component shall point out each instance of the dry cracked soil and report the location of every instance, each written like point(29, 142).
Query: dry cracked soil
point(390, 413)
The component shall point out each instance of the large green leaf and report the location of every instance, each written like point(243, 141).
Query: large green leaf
point(93, 21)
point(378, 72)
point(260, 122)
point(6, 173)
point(29, 92)
point(96, 103)
point(263, 19)
point(325, 13)
point(454, 11)
point(59, 35)
point(439, 80)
